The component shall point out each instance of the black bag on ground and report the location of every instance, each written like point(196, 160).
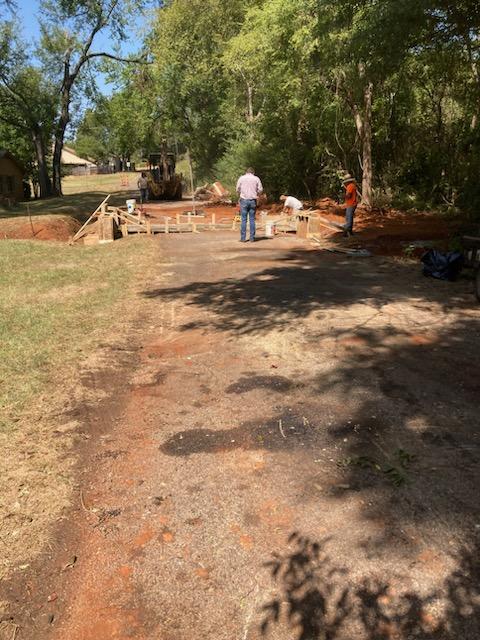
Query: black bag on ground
point(444, 266)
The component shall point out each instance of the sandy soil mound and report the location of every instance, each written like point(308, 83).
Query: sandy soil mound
point(60, 228)
point(389, 231)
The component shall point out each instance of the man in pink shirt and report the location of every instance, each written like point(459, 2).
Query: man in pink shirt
point(249, 188)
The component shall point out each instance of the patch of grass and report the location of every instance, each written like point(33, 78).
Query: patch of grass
point(53, 299)
point(82, 195)
point(60, 309)
point(108, 183)
point(395, 470)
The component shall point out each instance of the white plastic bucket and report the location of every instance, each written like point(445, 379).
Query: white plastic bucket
point(131, 204)
point(270, 229)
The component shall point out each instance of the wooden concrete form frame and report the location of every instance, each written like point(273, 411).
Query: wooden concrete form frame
point(135, 223)
point(121, 217)
point(81, 231)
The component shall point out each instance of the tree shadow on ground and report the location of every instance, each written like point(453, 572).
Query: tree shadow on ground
point(411, 445)
point(404, 438)
point(318, 600)
point(252, 435)
point(305, 282)
point(78, 205)
point(402, 434)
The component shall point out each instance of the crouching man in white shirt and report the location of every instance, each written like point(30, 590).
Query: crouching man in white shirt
point(291, 205)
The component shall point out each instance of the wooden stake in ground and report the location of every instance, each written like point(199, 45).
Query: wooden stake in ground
point(30, 218)
point(191, 180)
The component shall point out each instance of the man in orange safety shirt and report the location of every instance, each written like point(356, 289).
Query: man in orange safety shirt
point(351, 201)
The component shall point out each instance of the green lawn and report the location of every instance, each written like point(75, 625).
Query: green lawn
point(108, 183)
point(82, 195)
point(54, 301)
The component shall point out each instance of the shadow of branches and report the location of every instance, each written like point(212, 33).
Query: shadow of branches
point(297, 283)
point(313, 601)
point(318, 600)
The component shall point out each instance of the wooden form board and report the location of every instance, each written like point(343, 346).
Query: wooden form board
point(173, 227)
point(106, 229)
point(83, 229)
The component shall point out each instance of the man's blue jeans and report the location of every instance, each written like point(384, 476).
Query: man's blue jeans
point(349, 214)
point(248, 208)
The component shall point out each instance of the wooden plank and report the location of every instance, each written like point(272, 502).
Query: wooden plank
point(105, 228)
point(329, 223)
point(128, 217)
point(80, 233)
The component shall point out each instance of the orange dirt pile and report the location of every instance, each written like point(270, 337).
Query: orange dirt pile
point(388, 232)
point(60, 228)
point(328, 205)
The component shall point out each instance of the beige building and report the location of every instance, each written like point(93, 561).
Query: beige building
point(73, 164)
point(11, 177)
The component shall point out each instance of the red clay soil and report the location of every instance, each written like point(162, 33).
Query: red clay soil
point(60, 228)
point(382, 231)
point(389, 231)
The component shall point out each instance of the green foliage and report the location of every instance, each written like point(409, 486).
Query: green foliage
point(281, 83)
point(394, 470)
point(123, 125)
point(188, 42)
point(28, 104)
point(92, 139)
point(284, 85)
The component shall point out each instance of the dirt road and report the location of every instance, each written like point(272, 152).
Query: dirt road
point(292, 453)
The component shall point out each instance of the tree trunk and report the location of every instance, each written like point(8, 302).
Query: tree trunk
point(44, 182)
point(476, 78)
point(367, 148)
point(250, 117)
point(57, 164)
point(62, 124)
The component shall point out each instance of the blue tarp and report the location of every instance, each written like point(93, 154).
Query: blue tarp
point(444, 266)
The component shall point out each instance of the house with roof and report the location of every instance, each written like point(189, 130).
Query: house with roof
point(12, 174)
point(73, 164)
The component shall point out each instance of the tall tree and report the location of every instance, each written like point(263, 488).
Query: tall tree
point(188, 42)
point(27, 102)
point(69, 33)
